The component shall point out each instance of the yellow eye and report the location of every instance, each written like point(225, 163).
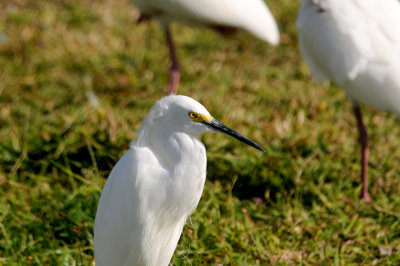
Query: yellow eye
point(193, 115)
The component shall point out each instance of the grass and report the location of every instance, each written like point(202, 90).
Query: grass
point(296, 204)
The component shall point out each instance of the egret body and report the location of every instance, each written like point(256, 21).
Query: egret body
point(156, 185)
point(355, 44)
point(224, 16)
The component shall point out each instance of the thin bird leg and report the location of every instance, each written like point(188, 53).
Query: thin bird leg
point(363, 138)
point(174, 74)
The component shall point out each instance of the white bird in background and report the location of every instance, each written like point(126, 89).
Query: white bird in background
point(356, 44)
point(224, 16)
point(156, 185)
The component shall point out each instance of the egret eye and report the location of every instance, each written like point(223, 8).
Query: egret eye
point(193, 115)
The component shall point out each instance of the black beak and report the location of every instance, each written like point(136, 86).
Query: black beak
point(219, 127)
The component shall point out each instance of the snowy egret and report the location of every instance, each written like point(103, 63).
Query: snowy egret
point(156, 185)
point(224, 16)
point(356, 44)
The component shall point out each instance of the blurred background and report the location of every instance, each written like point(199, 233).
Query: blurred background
point(78, 77)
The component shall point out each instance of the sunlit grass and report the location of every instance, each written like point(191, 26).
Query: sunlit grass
point(295, 204)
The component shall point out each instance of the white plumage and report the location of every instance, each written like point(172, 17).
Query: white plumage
point(224, 16)
point(156, 185)
point(252, 16)
point(356, 44)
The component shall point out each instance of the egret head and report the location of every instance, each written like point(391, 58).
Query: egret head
point(183, 114)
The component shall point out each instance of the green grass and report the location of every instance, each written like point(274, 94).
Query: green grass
point(56, 148)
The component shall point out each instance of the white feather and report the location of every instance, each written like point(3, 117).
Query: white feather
point(356, 44)
point(150, 193)
point(252, 16)
point(155, 186)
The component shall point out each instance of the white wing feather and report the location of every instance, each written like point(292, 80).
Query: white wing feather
point(119, 205)
point(386, 15)
point(137, 221)
point(356, 44)
point(250, 15)
point(331, 39)
point(114, 208)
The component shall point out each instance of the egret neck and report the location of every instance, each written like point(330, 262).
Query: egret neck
point(183, 155)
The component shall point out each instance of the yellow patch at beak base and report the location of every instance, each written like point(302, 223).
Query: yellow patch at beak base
point(203, 118)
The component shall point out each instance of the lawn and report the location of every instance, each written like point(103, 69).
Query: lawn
point(78, 77)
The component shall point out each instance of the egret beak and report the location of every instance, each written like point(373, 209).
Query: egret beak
point(219, 127)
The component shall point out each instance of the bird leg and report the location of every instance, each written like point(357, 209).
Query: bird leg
point(174, 74)
point(363, 138)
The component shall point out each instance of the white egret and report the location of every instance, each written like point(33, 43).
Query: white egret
point(356, 44)
point(156, 185)
point(224, 16)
